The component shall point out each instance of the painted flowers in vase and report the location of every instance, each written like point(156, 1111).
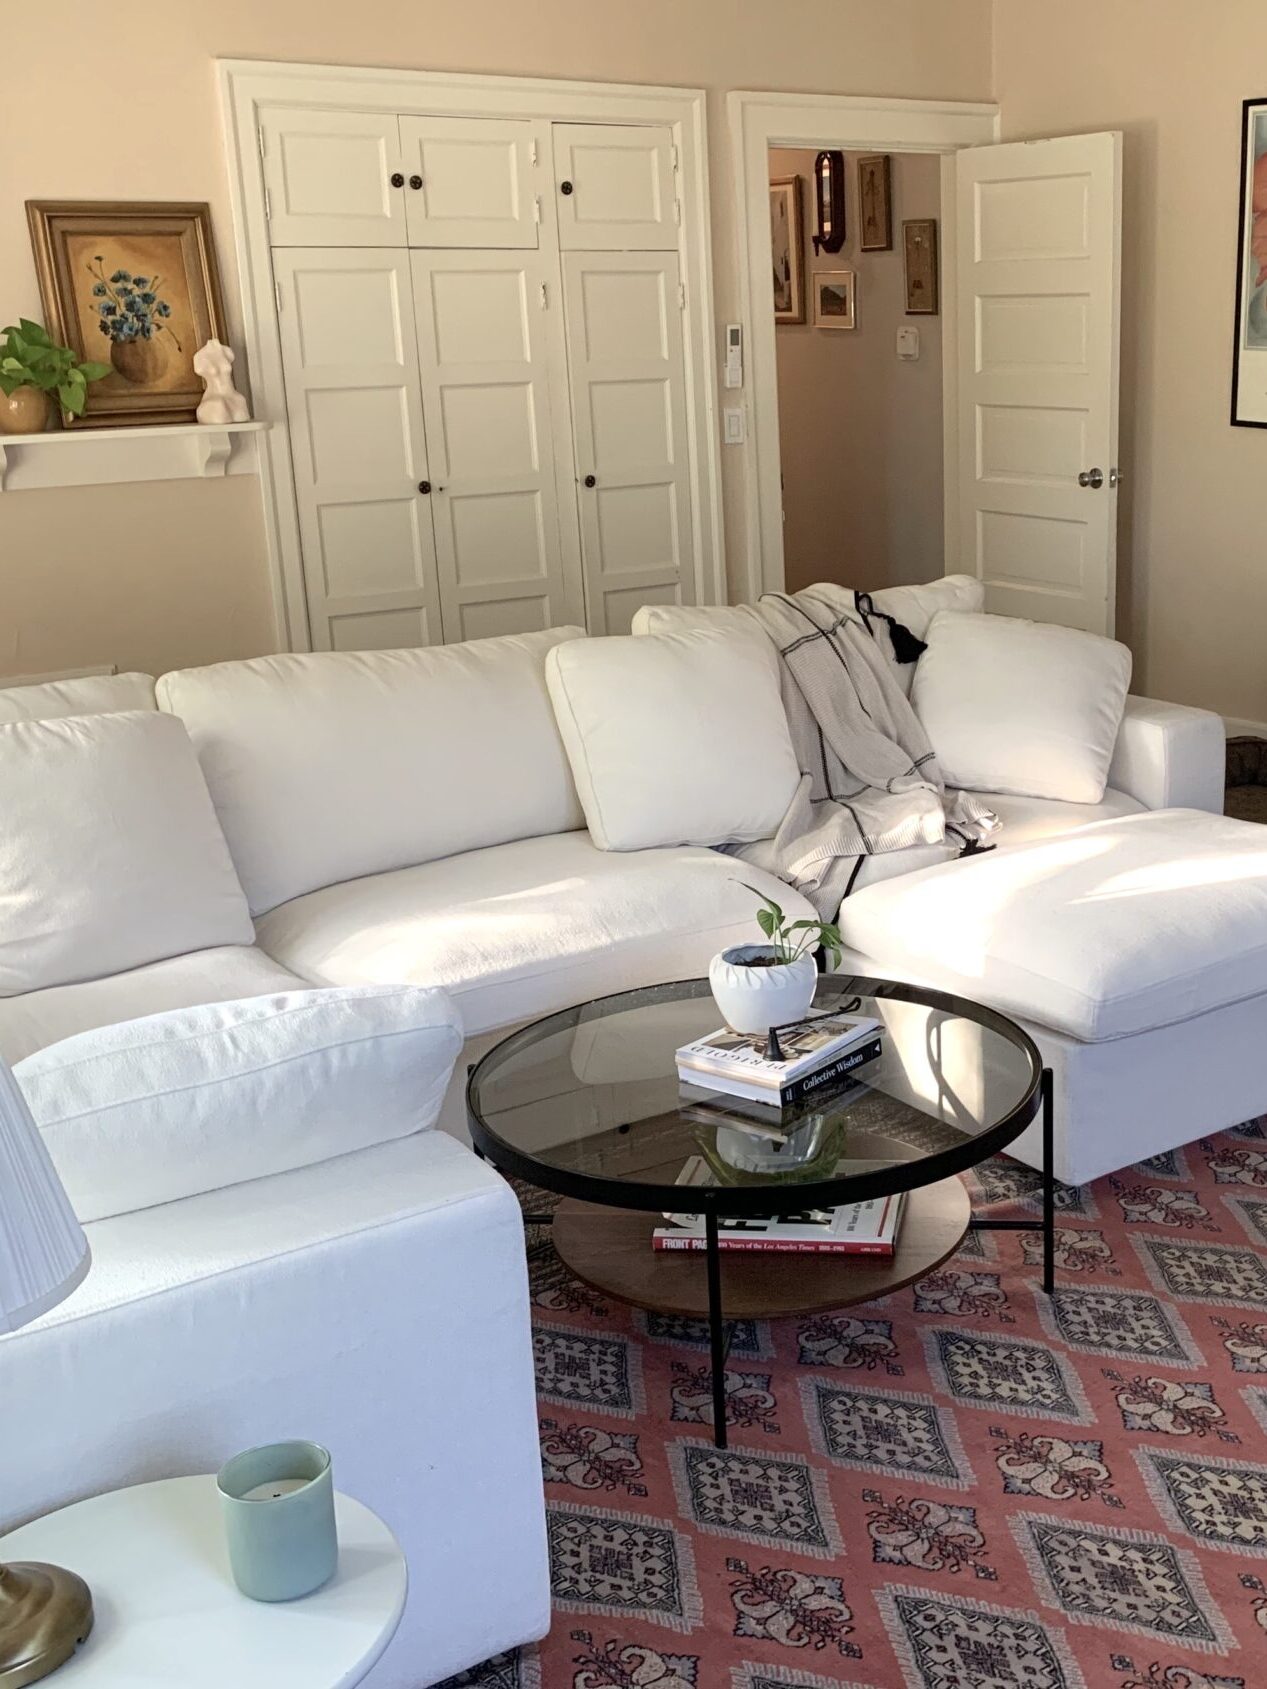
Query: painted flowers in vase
point(133, 316)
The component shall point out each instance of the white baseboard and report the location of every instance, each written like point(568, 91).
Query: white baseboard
point(1238, 728)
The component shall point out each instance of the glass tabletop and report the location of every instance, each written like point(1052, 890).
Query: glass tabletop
point(588, 1103)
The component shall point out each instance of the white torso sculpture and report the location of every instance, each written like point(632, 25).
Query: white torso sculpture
point(221, 402)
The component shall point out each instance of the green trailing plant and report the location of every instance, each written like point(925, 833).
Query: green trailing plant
point(790, 940)
point(29, 357)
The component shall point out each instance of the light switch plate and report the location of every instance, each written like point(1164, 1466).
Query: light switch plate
point(908, 343)
point(736, 434)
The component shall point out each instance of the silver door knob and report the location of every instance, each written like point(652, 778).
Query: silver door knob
point(1091, 478)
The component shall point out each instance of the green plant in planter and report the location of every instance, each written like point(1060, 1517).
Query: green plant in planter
point(790, 940)
point(30, 358)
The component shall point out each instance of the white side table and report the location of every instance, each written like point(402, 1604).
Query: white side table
point(168, 1611)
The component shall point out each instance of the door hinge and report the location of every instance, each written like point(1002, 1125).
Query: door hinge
point(545, 298)
point(268, 207)
point(673, 156)
point(677, 212)
point(277, 295)
point(536, 208)
point(533, 155)
point(681, 296)
point(262, 138)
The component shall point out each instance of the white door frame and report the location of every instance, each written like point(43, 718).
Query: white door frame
point(759, 121)
point(247, 84)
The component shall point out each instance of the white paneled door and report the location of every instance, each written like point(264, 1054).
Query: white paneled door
point(332, 178)
point(491, 354)
point(1037, 273)
point(625, 361)
point(471, 181)
point(615, 188)
point(354, 400)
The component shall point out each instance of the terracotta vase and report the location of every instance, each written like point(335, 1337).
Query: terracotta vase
point(138, 361)
point(24, 411)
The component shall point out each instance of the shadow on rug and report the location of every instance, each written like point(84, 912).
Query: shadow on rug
point(962, 1486)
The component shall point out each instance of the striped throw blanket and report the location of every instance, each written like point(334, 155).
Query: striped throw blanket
point(870, 781)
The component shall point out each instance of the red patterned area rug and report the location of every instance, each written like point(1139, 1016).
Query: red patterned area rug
point(963, 1486)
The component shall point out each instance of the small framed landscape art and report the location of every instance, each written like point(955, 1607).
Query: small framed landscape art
point(919, 256)
point(1249, 354)
point(135, 286)
point(835, 301)
point(787, 249)
point(875, 203)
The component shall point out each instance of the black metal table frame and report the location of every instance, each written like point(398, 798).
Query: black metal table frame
point(1036, 1101)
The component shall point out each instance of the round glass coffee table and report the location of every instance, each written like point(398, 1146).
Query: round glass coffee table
point(587, 1104)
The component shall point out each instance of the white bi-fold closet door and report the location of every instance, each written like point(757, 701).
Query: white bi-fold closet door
point(482, 343)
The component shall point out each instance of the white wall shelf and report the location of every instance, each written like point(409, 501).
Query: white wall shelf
point(90, 457)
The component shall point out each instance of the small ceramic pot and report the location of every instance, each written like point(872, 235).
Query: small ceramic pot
point(753, 999)
point(24, 411)
point(139, 361)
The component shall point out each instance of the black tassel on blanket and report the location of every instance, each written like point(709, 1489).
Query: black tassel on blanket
point(906, 648)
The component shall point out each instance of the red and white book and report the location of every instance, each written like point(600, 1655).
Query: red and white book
point(854, 1228)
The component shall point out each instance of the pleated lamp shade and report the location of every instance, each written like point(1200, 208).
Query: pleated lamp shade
point(43, 1251)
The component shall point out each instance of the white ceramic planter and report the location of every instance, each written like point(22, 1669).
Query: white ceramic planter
point(752, 1000)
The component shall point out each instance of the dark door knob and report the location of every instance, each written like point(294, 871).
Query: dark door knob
point(415, 181)
point(565, 188)
point(591, 480)
point(424, 486)
point(396, 179)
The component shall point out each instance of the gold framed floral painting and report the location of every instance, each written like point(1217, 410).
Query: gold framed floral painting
point(135, 286)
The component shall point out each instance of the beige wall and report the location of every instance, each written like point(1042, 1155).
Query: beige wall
point(860, 431)
point(1192, 565)
point(179, 568)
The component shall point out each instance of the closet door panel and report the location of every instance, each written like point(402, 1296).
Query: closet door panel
point(506, 560)
point(625, 358)
point(328, 177)
point(470, 181)
point(357, 446)
point(615, 188)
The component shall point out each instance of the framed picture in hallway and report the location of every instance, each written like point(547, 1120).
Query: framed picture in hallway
point(1249, 354)
point(137, 287)
point(919, 257)
point(835, 302)
point(875, 203)
point(787, 249)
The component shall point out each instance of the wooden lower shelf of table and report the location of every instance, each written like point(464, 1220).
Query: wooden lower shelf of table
point(610, 1249)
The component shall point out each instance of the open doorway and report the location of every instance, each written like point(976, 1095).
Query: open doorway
point(858, 341)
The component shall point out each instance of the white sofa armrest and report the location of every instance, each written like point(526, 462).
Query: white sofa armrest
point(1170, 756)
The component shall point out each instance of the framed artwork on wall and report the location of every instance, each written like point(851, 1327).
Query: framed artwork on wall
point(787, 238)
point(875, 203)
point(919, 256)
point(135, 286)
point(1249, 354)
point(835, 299)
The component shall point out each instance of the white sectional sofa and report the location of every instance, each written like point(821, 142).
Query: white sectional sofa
point(407, 816)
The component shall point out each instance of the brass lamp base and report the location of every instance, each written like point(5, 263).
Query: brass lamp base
point(45, 1613)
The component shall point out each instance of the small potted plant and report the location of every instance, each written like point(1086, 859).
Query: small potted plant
point(759, 986)
point(32, 367)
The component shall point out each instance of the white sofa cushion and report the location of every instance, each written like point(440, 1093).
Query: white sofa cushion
point(165, 1107)
point(913, 606)
point(1029, 708)
point(330, 766)
point(676, 738)
point(524, 929)
point(91, 694)
point(110, 852)
point(1024, 820)
point(1116, 928)
point(219, 975)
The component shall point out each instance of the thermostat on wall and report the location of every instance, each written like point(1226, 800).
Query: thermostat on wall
point(908, 343)
point(734, 355)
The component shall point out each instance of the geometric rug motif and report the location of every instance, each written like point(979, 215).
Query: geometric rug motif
point(918, 1495)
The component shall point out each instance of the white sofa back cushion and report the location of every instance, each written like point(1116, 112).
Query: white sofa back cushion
point(110, 852)
point(90, 694)
point(1027, 708)
point(332, 766)
point(674, 739)
point(913, 606)
point(174, 1104)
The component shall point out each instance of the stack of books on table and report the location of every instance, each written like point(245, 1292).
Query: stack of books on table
point(820, 1056)
point(855, 1228)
